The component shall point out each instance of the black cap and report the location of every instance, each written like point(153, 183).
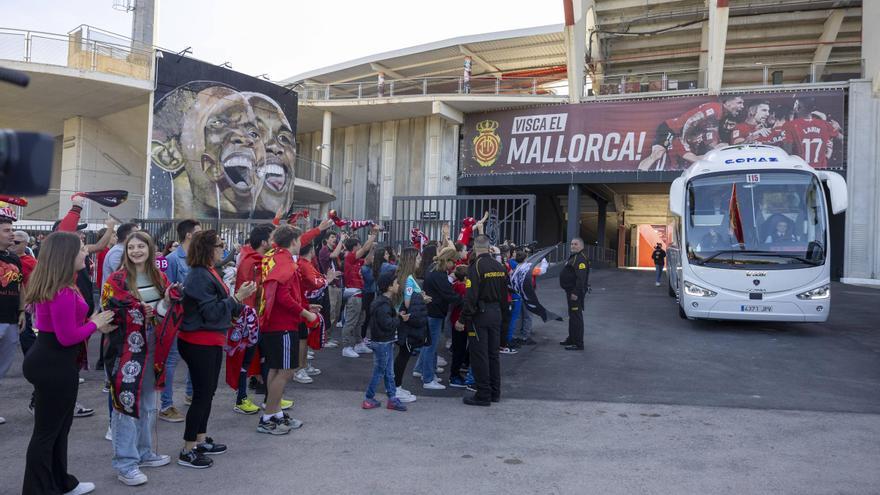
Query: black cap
point(385, 281)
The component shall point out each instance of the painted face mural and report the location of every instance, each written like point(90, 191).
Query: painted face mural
point(219, 149)
point(275, 174)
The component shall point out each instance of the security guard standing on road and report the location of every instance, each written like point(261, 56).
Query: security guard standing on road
point(481, 315)
point(574, 279)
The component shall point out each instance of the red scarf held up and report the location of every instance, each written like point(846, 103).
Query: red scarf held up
point(126, 347)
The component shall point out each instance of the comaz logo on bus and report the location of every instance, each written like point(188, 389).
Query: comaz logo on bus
point(760, 159)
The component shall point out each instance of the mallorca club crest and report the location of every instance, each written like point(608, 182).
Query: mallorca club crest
point(487, 144)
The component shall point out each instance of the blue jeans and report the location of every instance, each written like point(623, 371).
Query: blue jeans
point(525, 329)
point(659, 269)
point(383, 369)
point(515, 315)
point(170, 364)
point(427, 362)
point(133, 437)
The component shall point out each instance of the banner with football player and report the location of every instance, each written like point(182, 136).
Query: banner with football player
point(665, 134)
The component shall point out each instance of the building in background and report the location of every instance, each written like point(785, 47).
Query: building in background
point(583, 122)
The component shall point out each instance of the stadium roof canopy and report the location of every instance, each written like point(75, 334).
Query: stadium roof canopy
point(638, 37)
point(492, 54)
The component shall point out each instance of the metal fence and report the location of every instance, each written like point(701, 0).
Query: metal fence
point(85, 48)
point(427, 86)
point(512, 217)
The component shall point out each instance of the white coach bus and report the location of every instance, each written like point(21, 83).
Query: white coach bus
point(748, 236)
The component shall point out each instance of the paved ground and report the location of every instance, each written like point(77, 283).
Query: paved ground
point(654, 405)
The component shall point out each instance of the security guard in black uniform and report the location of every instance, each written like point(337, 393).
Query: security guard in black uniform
point(574, 279)
point(481, 315)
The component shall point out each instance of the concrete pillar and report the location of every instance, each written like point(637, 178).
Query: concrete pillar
point(870, 42)
point(704, 55)
point(575, 33)
point(326, 152)
point(718, 14)
point(862, 232)
point(574, 212)
point(621, 243)
point(143, 24)
point(823, 51)
point(466, 76)
point(600, 226)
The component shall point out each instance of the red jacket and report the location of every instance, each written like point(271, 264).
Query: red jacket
point(312, 281)
point(282, 294)
point(461, 289)
point(248, 270)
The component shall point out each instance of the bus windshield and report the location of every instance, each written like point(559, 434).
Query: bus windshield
point(749, 219)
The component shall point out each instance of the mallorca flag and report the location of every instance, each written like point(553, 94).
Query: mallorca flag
point(736, 225)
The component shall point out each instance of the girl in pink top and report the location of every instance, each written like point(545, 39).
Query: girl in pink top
point(51, 363)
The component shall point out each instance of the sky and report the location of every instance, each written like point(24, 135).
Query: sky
point(285, 38)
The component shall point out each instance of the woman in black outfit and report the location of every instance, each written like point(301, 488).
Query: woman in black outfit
point(208, 310)
point(51, 365)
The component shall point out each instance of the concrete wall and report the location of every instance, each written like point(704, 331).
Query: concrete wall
point(103, 153)
point(374, 162)
point(862, 250)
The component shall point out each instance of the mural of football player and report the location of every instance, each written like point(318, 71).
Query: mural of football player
point(275, 175)
point(207, 138)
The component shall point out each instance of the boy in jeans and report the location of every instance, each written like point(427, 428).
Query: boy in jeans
point(384, 321)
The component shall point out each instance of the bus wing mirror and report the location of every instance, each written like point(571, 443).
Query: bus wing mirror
point(837, 189)
point(676, 197)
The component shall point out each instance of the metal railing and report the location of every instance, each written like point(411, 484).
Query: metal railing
point(313, 171)
point(757, 74)
point(533, 86)
point(84, 48)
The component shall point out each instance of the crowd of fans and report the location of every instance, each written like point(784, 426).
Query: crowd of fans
point(265, 310)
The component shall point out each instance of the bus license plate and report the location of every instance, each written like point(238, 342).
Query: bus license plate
point(756, 308)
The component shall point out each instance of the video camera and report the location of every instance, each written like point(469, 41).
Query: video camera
point(25, 157)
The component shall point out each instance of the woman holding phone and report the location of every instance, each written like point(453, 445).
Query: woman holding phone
point(51, 365)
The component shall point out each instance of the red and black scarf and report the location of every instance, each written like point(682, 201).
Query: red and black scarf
point(126, 347)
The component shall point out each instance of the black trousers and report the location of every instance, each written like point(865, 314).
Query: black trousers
point(483, 343)
point(368, 301)
point(575, 319)
point(505, 324)
point(204, 363)
point(51, 369)
point(459, 353)
point(400, 362)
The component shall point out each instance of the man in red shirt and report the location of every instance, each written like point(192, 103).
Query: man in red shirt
point(282, 312)
point(353, 295)
point(811, 137)
point(705, 117)
point(755, 126)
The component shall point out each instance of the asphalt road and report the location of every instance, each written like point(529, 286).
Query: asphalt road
point(655, 404)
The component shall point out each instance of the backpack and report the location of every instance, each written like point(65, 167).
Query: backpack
point(413, 334)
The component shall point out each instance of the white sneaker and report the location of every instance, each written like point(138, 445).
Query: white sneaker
point(349, 352)
point(441, 361)
point(406, 398)
point(330, 344)
point(438, 370)
point(302, 377)
point(82, 488)
point(339, 324)
point(433, 386)
point(109, 435)
point(402, 392)
point(132, 478)
point(656, 284)
point(417, 374)
point(2, 420)
point(312, 371)
point(310, 354)
point(362, 348)
point(82, 380)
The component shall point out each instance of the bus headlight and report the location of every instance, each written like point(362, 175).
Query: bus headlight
point(697, 291)
point(823, 292)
